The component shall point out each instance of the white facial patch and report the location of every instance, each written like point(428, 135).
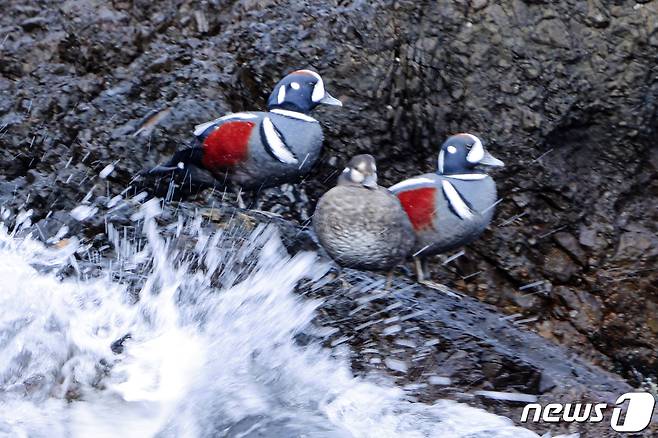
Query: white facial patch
point(295, 86)
point(452, 149)
point(456, 201)
point(275, 144)
point(477, 150)
point(318, 89)
point(356, 176)
point(282, 94)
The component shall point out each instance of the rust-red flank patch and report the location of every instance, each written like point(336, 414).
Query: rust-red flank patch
point(420, 206)
point(227, 145)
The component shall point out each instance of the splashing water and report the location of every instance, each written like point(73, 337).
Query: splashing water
point(208, 349)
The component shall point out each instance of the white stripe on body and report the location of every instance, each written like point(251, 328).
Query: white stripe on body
point(200, 129)
point(276, 145)
point(411, 183)
point(456, 201)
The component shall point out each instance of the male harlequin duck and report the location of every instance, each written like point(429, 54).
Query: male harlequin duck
point(361, 224)
point(261, 149)
point(452, 207)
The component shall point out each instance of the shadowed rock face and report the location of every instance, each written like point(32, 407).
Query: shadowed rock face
point(564, 92)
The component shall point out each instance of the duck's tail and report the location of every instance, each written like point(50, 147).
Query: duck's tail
point(180, 161)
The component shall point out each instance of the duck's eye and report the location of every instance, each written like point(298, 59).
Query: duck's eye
point(294, 86)
point(452, 149)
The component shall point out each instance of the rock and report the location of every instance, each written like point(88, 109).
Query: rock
point(637, 244)
point(570, 244)
point(567, 296)
point(34, 23)
point(559, 266)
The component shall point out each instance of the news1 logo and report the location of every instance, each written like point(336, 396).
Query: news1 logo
point(638, 414)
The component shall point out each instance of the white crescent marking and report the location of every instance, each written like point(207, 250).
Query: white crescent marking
point(456, 201)
point(294, 115)
point(318, 91)
point(477, 151)
point(199, 129)
point(275, 144)
point(410, 182)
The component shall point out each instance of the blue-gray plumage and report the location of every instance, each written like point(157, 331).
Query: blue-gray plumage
point(261, 149)
point(361, 224)
point(452, 207)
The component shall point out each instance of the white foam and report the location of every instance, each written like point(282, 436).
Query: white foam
point(211, 350)
point(83, 212)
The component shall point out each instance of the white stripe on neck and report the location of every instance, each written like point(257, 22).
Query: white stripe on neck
point(294, 115)
point(467, 176)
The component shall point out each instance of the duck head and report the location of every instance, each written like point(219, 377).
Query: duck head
point(461, 153)
point(300, 91)
point(360, 171)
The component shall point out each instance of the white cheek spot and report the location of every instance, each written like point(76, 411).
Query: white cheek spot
point(356, 176)
point(452, 149)
point(181, 165)
point(282, 94)
point(295, 86)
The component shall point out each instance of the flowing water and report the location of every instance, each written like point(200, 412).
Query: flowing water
point(209, 348)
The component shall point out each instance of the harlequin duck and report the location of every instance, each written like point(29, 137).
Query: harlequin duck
point(261, 149)
point(452, 207)
point(361, 224)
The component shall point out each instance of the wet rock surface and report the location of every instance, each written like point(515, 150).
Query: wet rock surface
point(564, 92)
